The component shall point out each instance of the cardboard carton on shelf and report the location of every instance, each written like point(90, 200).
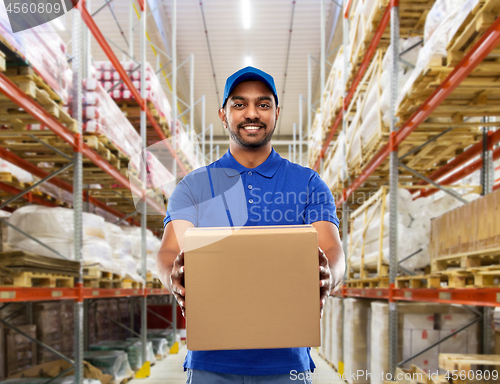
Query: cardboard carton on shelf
point(252, 287)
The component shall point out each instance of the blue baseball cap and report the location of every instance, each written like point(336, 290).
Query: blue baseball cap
point(248, 74)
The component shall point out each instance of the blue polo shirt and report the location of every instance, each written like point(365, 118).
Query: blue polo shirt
point(225, 193)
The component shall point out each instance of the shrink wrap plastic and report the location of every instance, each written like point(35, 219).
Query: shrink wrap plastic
point(414, 229)
point(134, 350)
point(154, 91)
point(333, 93)
point(44, 50)
point(121, 246)
point(102, 116)
point(405, 72)
point(113, 363)
point(413, 232)
point(18, 173)
point(442, 23)
point(316, 140)
point(420, 326)
point(332, 331)
point(160, 347)
point(356, 323)
point(366, 123)
point(54, 227)
point(149, 348)
point(333, 174)
point(379, 361)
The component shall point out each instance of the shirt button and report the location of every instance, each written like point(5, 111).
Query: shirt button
point(250, 187)
point(250, 201)
point(249, 173)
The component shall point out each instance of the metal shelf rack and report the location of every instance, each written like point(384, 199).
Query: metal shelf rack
point(79, 293)
point(455, 170)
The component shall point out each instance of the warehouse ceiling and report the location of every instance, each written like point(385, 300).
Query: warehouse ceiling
point(276, 36)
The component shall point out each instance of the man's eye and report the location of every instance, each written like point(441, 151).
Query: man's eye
point(239, 105)
point(265, 105)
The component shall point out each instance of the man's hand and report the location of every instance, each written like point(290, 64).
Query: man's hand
point(325, 279)
point(177, 282)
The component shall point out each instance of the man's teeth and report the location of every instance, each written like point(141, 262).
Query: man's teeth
point(252, 128)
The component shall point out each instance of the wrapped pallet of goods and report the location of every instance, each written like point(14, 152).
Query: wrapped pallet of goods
point(369, 237)
point(356, 339)
point(132, 349)
point(324, 349)
point(113, 363)
point(109, 79)
point(337, 324)
point(369, 122)
point(152, 247)
point(44, 50)
point(121, 244)
point(420, 325)
point(316, 139)
point(471, 250)
point(368, 258)
point(332, 331)
point(333, 95)
point(55, 228)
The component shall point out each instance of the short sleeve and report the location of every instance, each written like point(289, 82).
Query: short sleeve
point(320, 203)
point(181, 205)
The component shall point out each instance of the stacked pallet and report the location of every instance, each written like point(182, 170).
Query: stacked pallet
point(464, 368)
point(24, 269)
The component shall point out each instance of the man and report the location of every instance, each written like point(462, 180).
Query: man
point(271, 186)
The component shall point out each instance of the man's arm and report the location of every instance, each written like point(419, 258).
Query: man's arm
point(331, 255)
point(170, 259)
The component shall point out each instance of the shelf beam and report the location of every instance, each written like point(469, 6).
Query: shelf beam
point(466, 296)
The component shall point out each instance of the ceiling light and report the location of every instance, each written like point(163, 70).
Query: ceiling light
point(245, 13)
point(248, 61)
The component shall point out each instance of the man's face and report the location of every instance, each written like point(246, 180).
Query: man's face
point(250, 114)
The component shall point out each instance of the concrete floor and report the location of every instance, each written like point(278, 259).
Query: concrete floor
point(170, 371)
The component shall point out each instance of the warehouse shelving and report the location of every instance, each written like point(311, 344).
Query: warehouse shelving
point(20, 294)
point(454, 170)
point(82, 151)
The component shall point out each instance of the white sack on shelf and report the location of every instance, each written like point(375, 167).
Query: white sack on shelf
point(18, 173)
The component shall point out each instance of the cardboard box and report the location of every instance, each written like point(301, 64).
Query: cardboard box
point(253, 287)
point(20, 351)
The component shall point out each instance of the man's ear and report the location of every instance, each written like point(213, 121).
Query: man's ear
point(222, 116)
point(278, 110)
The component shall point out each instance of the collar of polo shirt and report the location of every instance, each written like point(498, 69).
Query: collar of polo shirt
point(267, 169)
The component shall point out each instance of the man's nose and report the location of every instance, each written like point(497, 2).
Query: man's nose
point(251, 112)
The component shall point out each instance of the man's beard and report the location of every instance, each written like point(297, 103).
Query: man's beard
point(253, 145)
